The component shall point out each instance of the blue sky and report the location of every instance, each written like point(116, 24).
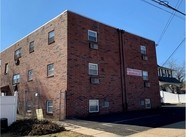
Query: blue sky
point(20, 17)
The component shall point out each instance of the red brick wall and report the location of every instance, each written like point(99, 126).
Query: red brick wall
point(80, 90)
point(44, 54)
point(70, 88)
point(107, 56)
point(135, 85)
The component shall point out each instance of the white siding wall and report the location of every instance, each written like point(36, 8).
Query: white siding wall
point(172, 98)
point(8, 108)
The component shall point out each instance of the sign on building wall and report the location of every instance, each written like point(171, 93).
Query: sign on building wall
point(134, 72)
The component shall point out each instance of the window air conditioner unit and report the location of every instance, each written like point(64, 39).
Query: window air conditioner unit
point(144, 57)
point(94, 80)
point(17, 61)
point(93, 45)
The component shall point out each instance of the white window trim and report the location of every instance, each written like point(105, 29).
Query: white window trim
point(147, 103)
point(145, 77)
point(50, 112)
point(96, 102)
point(96, 35)
point(16, 78)
point(50, 72)
point(51, 37)
point(143, 49)
point(30, 75)
point(89, 68)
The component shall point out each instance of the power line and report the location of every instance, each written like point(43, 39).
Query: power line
point(174, 51)
point(169, 22)
point(165, 3)
point(161, 8)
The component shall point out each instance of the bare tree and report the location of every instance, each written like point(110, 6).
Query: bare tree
point(179, 70)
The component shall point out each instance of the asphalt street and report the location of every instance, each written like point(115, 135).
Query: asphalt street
point(133, 122)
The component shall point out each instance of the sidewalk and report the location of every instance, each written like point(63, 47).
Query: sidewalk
point(172, 130)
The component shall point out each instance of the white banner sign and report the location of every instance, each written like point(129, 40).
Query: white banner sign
point(134, 72)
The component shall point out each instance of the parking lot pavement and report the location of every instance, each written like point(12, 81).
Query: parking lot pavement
point(129, 123)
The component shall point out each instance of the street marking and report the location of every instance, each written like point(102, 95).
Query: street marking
point(107, 124)
point(132, 130)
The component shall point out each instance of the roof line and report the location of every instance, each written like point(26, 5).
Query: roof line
point(34, 30)
point(62, 14)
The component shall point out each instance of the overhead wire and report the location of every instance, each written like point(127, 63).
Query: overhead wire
point(166, 4)
point(169, 22)
point(174, 51)
point(162, 9)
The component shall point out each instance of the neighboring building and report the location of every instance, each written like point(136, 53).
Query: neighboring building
point(167, 81)
point(74, 66)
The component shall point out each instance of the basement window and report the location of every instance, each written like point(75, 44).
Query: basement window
point(49, 105)
point(93, 106)
point(147, 103)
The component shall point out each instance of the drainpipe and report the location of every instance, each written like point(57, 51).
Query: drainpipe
point(122, 70)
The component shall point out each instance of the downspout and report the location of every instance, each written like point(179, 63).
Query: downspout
point(124, 71)
point(121, 68)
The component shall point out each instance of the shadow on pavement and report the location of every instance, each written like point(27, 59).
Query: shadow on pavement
point(165, 115)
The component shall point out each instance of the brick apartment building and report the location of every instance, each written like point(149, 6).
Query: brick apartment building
point(74, 66)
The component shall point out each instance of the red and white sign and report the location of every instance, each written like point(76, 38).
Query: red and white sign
point(134, 72)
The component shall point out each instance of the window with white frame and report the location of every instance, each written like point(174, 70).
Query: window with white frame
point(143, 50)
point(147, 103)
point(16, 78)
point(93, 105)
point(51, 37)
point(17, 54)
point(31, 47)
point(93, 69)
point(6, 68)
point(50, 70)
point(49, 104)
point(145, 75)
point(92, 35)
point(30, 75)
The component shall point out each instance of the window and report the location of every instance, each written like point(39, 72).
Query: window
point(147, 103)
point(31, 47)
point(93, 106)
point(145, 75)
point(16, 79)
point(30, 75)
point(17, 54)
point(93, 69)
point(51, 37)
point(49, 106)
point(6, 68)
point(143, 50)
point(92, 36)
point(50, 70)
